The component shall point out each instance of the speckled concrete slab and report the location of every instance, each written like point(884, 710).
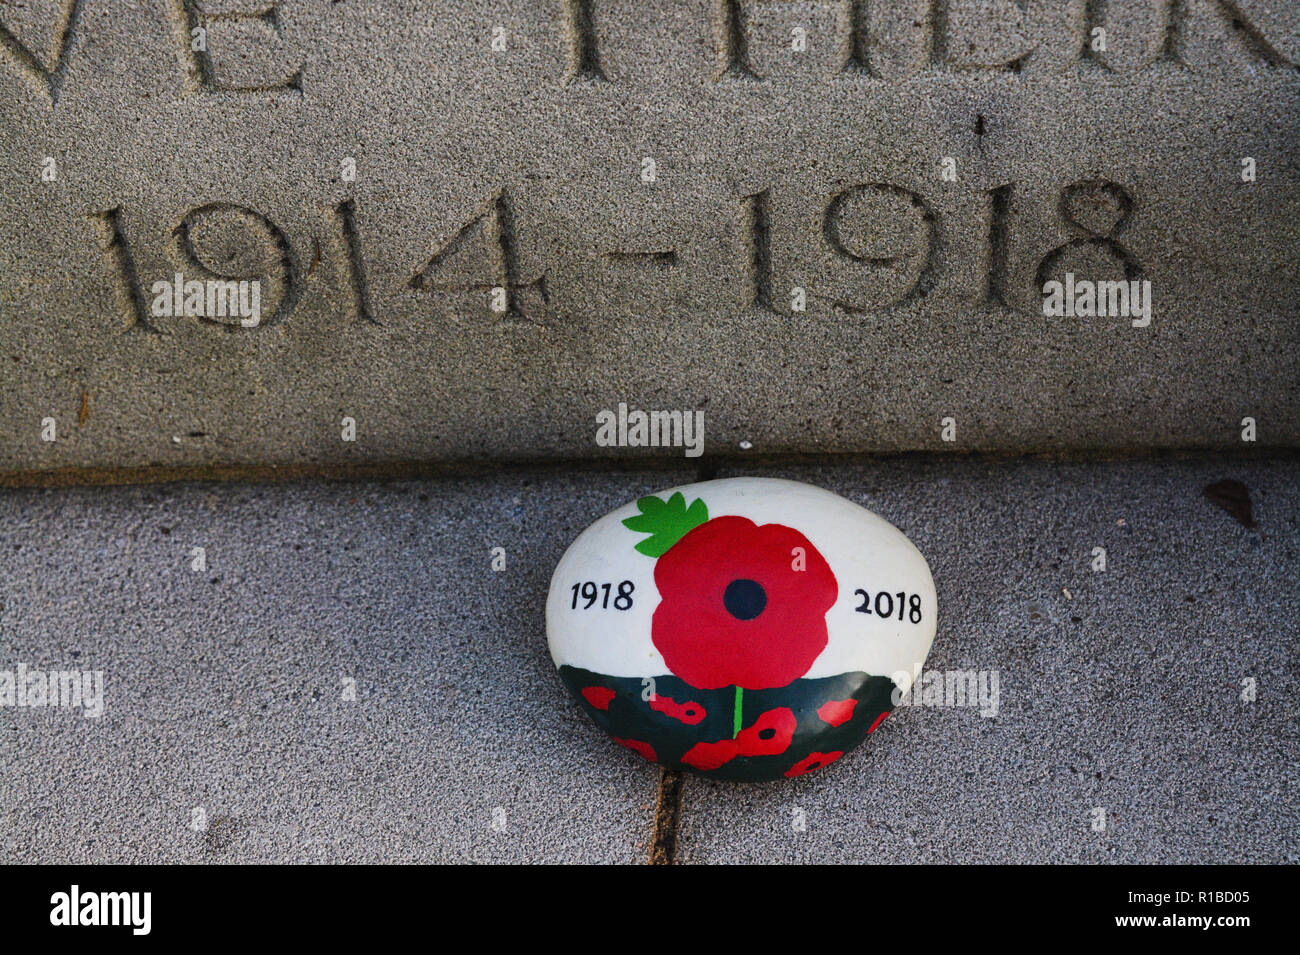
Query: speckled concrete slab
point(228, 730)
point(1120, 733)
point(225, 689)
point(478, 224)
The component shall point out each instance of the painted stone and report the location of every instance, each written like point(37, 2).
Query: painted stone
point(748, 628)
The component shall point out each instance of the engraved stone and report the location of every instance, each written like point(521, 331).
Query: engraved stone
point(455, 247)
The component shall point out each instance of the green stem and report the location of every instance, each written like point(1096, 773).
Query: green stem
point(735, 723)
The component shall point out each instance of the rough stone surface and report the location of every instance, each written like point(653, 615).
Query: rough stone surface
point(774, 169)
point(223, 688)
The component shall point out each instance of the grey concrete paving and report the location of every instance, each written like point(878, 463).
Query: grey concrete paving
point(224, 689)
point(1124, 694)
point(776, 169)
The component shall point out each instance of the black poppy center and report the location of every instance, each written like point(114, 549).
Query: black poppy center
point(744, 599)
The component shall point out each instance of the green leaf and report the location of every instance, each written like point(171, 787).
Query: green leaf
point(666, 522)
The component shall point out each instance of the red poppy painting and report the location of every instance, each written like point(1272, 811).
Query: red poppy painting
point(735, 611)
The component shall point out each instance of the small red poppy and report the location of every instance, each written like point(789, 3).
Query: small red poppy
point(813, 761)
point(689, 712)
point(771, 733)
point(837, 712)
point(735, 611)
point(598, 696)
point(711, 755)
